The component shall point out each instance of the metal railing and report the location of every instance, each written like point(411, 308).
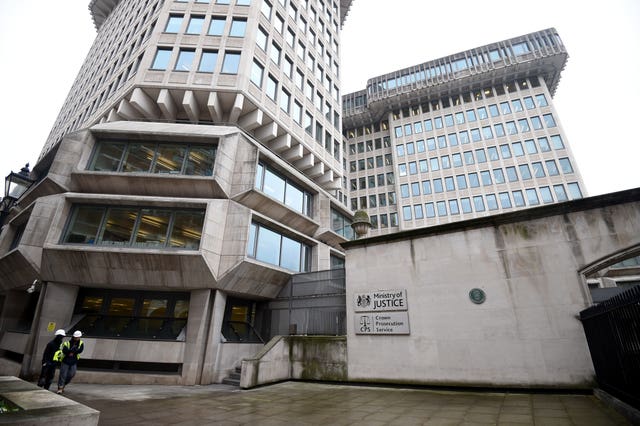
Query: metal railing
point(613, 334)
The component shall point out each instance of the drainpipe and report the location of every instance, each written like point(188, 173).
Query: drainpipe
point(29, 354)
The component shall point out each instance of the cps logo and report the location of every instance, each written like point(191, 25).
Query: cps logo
point(365, 324)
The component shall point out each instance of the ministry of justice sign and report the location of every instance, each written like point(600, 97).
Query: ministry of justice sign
point(381, 312)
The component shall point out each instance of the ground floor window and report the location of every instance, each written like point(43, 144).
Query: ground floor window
point(132, 314)
point(242, 320)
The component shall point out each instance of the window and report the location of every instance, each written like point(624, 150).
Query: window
point(135, 227)
point(524, 125)
point(195, 25)
point(274, 248)
point(297, 113)
point(517, 105)
point(449, 184)
point(541, 100)
point(530, 145)
point(453, 207)
point(511, 128)
point(561, 194)
point(485, 176)
point(505, 200)
point(116, 156)
point(456, 160)
point(512, 175)
point(173, 24)
point(505, 151)
point(528, 102)
point(462, 181)
point(574, 190)
point(518, 199)
point(475, 135)
point(261, 37)
point(208, 61)
point(161, 61)
point(518, 151)
point(341, 225)
point(406, 213)
point(538, 170)
point(498, 175)
point(441, 206)
point(132, 314)
point(471, 115)
point(544, 144)
point(437, 185)
point(545, 194)
point(266, 9)
point(257, 71)
point(549, 121)
point(465, 203)
point(532, 197)
point(565, 165)
point(417, 210)
point(426, 187)
point(429, 210)
point(556, 142)
point(492, 202)
point(499, 128)
point(478, 203)
point(493, 110)
point(487, 133)
point(231, 63)
point(552, 168)
point(473, 180)
point(524, 171)
point(285, 99)
point(272, 87)
point(506, 109)
point(481, 156)
point(283, 190)
point(536, 123)
point(274, 54)
point(238, 27)
point(482, 113)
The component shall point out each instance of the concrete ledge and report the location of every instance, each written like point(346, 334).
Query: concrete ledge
point(299, 358)
point(631, 413)
point(41, 407)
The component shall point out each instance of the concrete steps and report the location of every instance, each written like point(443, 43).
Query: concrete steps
point(233, 379)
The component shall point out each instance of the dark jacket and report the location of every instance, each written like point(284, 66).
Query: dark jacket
point(50, 350)
point(71, 351)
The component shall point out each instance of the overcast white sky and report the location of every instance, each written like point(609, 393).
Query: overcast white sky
point(597, 99)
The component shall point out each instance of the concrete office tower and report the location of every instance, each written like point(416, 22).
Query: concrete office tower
point(195, 166)
point(464, 136)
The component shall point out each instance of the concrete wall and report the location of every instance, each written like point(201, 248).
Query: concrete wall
point(526, 334)
point(298, 358)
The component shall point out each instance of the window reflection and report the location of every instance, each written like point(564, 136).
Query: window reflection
point(283, 190)
point(152, 226)
point(194, 160)
point(271, 247)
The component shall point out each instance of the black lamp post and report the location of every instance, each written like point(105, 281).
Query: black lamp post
point(15, 184)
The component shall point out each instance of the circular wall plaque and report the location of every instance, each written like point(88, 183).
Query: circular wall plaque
point(477, 296)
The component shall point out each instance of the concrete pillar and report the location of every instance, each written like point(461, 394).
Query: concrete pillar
point(211, 365)
point(197, 328)
point(56, 311)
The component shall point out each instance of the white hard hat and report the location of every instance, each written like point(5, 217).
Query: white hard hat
point(60, 332)
point(77, 333)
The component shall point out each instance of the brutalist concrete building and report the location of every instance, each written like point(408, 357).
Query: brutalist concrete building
point(195, 166)
point(465, 136)
point(199, 167)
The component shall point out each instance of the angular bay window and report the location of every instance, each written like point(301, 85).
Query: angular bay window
point(272, 184)
point(274, 248)
point(162, 158)
point(135, 227)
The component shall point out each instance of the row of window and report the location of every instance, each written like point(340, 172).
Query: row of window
point(267, 11)
point(484, 178)
point(282, 189)
point(374, 200)
point(196, 23)
point(135, 227)
point(501, 130)
point(482, 203)
point(372, 181)
point(185, 61)
point(529, 146)
point(435, 163)
point(147, 157)
point(378, 143)
point(472, 115)
point(269, 246)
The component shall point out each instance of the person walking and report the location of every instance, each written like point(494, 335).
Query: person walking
point(49, 364)
point(69, 354)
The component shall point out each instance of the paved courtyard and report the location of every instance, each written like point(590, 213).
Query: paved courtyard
point(298, 403)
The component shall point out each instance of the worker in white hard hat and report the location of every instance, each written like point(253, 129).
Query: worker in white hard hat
point(69, 354)
point(49, 364)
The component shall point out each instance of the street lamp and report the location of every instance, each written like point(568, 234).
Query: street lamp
point(15, 184)
point(361, 223)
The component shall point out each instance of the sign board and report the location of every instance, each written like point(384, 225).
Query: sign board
point(51, 326)
point(382, 323)
point(381, 301)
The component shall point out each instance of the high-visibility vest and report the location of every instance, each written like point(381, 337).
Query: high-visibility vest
point(59, 355)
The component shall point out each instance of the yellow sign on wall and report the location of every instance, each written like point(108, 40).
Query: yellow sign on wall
point(51, 326)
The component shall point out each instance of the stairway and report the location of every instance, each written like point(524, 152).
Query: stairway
point(233, 378)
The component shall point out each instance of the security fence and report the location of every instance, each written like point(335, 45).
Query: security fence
point(312, 303)
point(613, 333)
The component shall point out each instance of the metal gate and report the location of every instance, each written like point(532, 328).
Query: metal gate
point(613, 333)
point(311, 304)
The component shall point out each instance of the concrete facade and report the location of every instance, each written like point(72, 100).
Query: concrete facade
point(212, 131)
point(531, 266)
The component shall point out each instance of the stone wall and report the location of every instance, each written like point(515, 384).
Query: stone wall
point(526, 333)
